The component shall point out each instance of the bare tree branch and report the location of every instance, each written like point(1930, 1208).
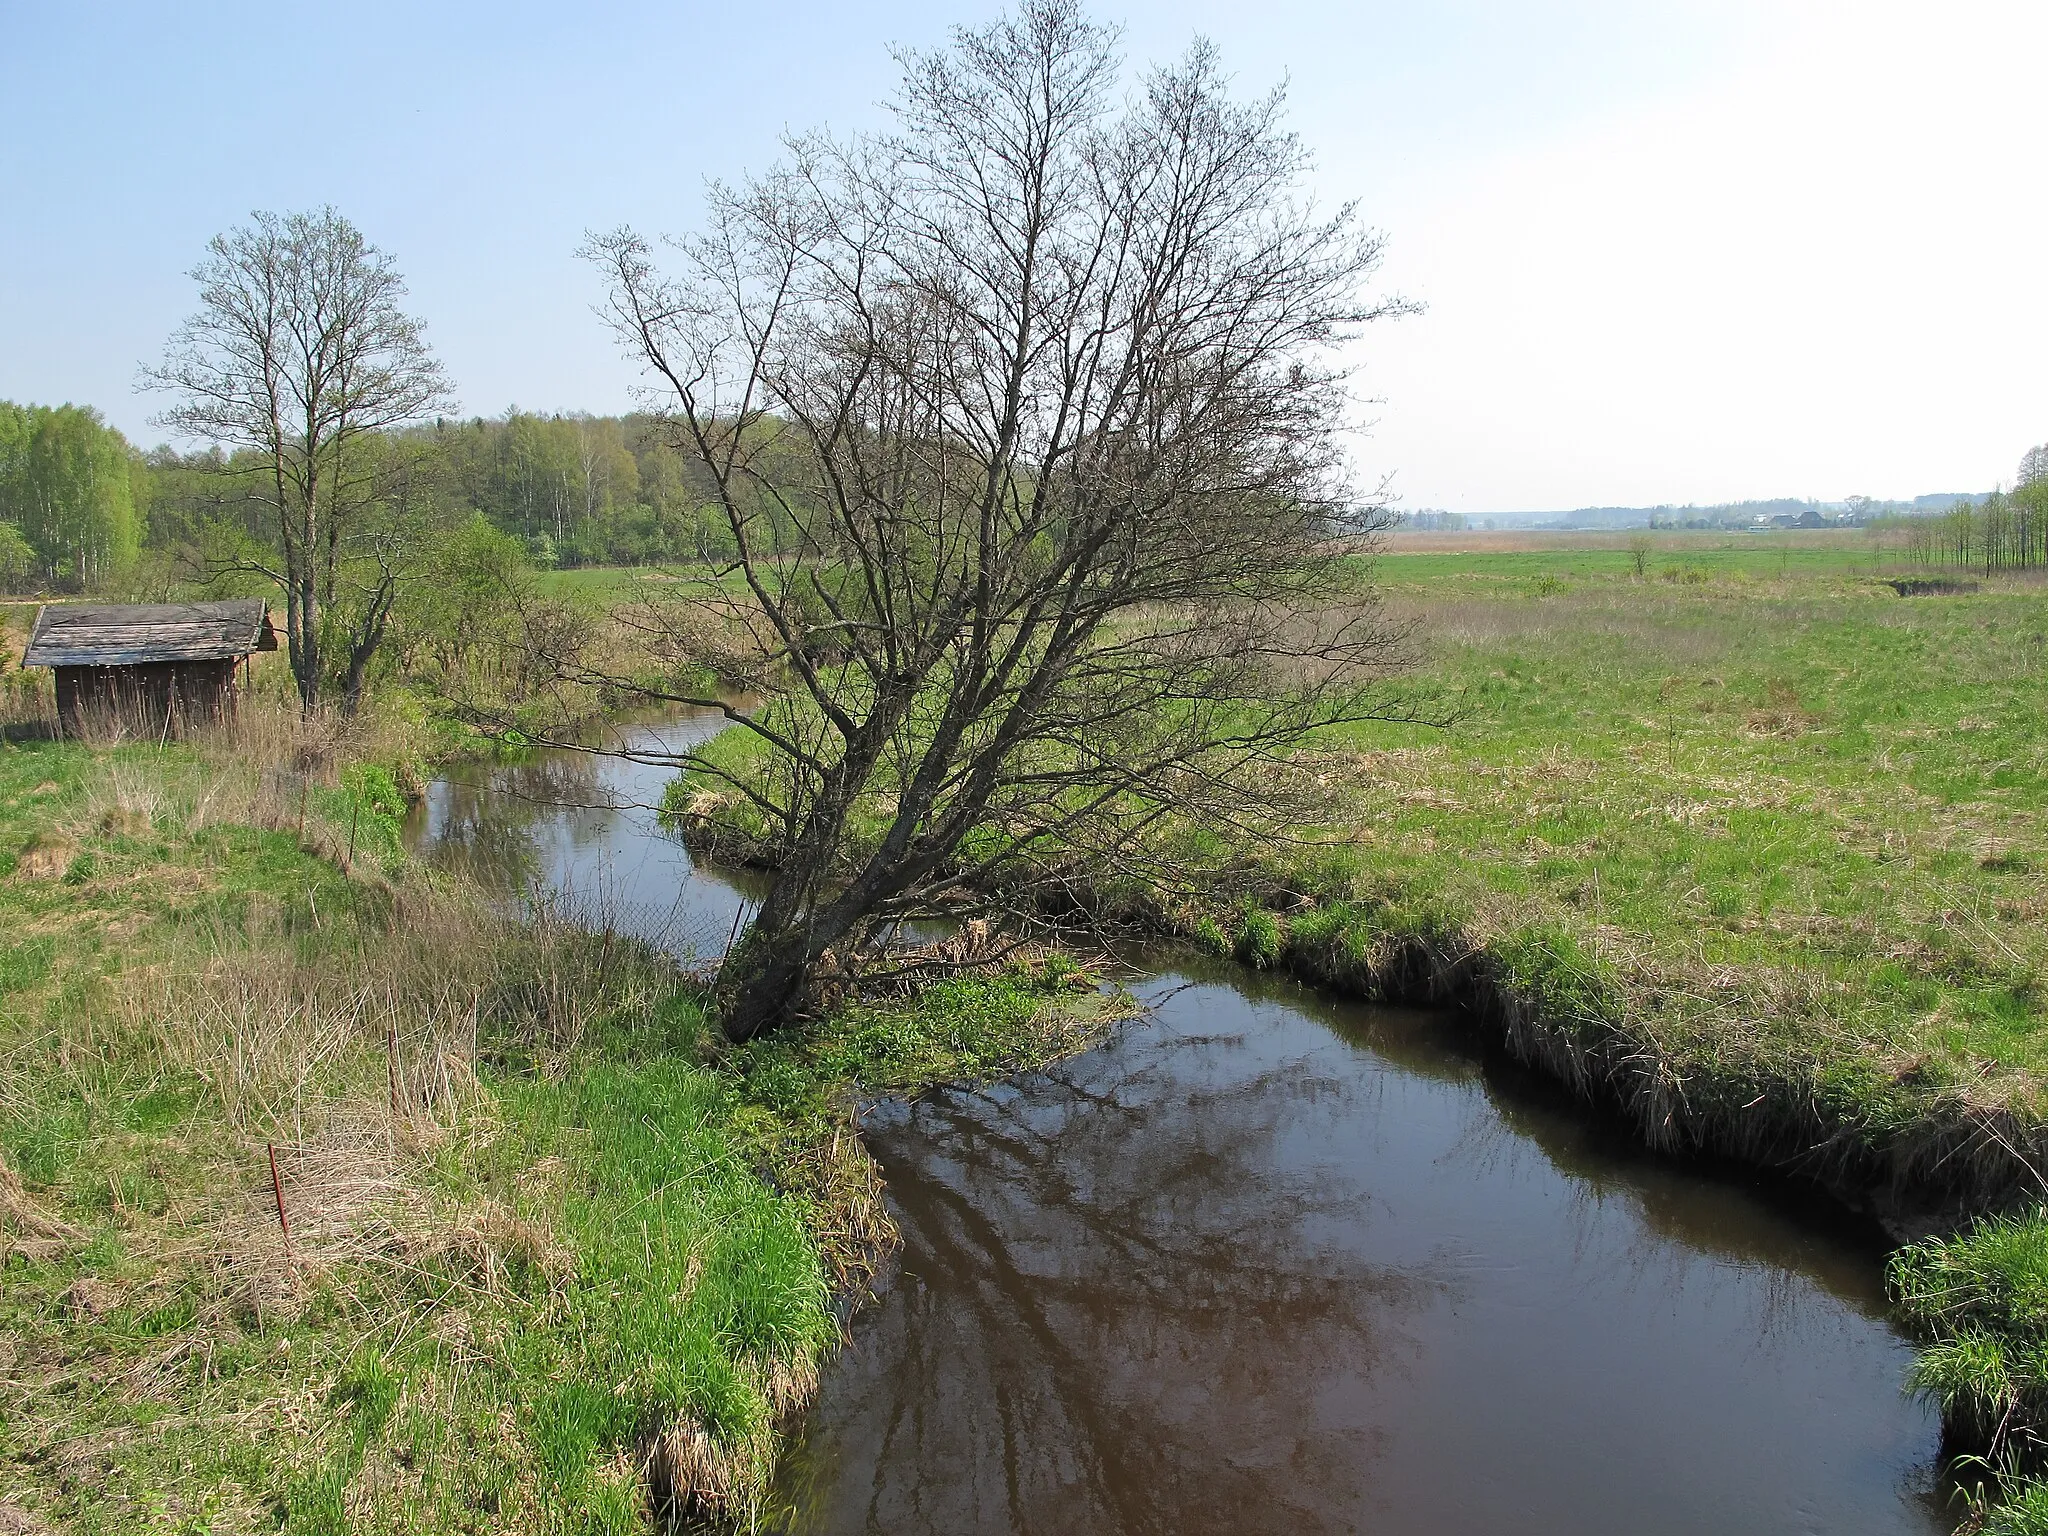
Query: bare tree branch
point(1024, 419)
point(298, 357)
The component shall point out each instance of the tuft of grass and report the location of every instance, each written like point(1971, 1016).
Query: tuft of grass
point(1980, 1300)
point(963, 1028)
point(1258, 942)
point(2022, 1512)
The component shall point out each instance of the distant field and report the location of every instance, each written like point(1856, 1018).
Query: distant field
point(1495, 561)
point(604, 582)
point(1759, 553)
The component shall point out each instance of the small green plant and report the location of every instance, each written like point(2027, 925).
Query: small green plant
point(2022, 1511)
point(1258, 938)
point(373, 791)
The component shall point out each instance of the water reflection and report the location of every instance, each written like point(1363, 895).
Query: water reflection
point(1269, 1263)
point(583, 828)
point(1265, 1263)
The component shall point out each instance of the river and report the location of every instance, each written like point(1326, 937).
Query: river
point(1268, 1262)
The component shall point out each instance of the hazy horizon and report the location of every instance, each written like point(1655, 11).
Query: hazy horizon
point(1683, 254)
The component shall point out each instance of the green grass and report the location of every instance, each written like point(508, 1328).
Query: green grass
point(1981, 1299)
point(537, 1264)
point(605, 584)
point(1800, 788)
point(960, 1029)
point(2024, 1513)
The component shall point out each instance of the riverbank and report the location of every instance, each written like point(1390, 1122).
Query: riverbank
point(1775, 832)
point(1745, 845)
point(1756, 860)
point(336, 1201)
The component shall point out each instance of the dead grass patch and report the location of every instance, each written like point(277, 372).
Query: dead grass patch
point(46, 856)
point(31, 1230)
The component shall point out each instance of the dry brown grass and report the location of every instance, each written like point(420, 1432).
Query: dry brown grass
point(30, 1230)
point(28, 699)
point(272, 1030)
point(1501, 541)
point(46, 856)
point(352, 1065)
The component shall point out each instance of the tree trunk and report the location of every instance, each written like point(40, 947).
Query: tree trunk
point(306, 646)
point(765, 978)
point(761, 986)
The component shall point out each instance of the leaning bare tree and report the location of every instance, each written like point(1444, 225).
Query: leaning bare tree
point(297, 356)
point(1021, 422)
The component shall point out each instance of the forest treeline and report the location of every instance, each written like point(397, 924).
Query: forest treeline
point(74, 499)
point(84, 510)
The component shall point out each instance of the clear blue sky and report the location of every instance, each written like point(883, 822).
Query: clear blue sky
point(1681, 251)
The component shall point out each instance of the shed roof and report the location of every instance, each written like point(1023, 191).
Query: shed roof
point(125, 634)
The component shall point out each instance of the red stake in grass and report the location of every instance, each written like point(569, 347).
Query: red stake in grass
point(277, 1189)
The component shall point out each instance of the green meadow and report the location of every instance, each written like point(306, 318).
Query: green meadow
point(1755, 783)
point(1723, 830)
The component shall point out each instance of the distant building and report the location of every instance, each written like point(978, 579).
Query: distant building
point(153, 665)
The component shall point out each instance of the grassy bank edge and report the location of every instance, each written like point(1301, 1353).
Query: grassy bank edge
point(556, 1256)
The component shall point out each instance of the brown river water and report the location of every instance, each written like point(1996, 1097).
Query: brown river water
point(1266, 1262)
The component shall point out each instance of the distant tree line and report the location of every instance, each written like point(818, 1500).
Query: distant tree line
point(579, 490)
point(2004, 531)
point(575, 490)
point(83, 510)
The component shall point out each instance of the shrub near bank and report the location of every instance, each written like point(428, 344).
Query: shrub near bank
point(519, 1266)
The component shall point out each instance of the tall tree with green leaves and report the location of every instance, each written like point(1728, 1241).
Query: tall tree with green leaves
point(68, 489)
point(300, 357)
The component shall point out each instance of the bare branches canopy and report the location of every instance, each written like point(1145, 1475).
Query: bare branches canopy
point(298, 354)
point(1024, 418)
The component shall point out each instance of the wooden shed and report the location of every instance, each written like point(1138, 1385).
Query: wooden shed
point(149, 665)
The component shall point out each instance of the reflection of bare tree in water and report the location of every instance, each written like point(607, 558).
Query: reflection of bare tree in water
point(581, 832)
point(1114, 1292)
point(488, 820)
point(1235, 1273)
